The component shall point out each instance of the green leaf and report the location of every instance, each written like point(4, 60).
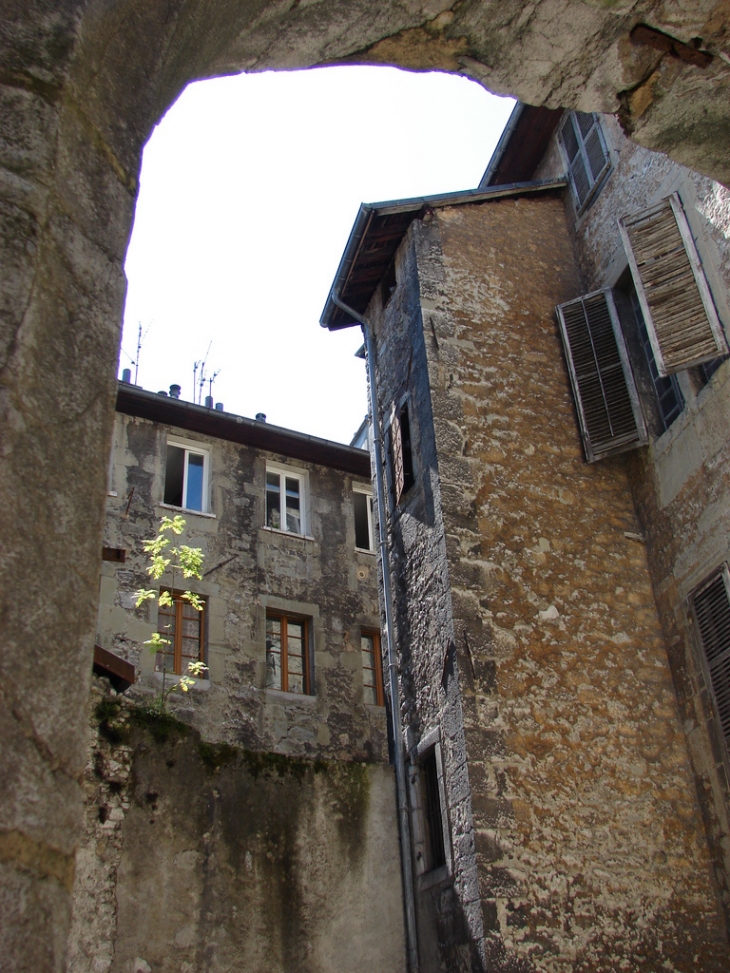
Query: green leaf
point(195, 600)
point(143, 595)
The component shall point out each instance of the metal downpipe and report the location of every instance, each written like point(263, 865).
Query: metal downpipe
point(404, 826)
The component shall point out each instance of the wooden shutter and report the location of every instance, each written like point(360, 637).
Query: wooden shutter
point(586, 153)
point(711, 611)
point(680, 315)
point(609, 412)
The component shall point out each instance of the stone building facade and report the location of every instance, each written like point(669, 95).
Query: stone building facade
point(567, 767)
point(259, 832)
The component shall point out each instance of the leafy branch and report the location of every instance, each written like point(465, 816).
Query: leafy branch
point(180, 559)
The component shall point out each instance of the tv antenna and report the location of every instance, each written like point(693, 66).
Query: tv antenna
point(200, 378)
point(140, 339)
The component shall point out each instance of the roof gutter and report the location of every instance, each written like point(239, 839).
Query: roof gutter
point(404, 827)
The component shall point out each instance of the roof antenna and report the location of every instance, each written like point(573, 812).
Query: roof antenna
point(140, 339)
point(201, 380)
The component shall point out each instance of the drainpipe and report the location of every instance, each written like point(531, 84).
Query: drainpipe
point(404, 826)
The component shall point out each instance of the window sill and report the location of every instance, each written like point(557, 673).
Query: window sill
point(289, 697)
point(437, 877)
point(200, 685)
point(187, 510)
point(287, 533)
point(364, 550)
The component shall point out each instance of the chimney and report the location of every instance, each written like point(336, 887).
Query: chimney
point(175, 391)
point(209, 402)
point(260, 417)
point(127, 376)
point(219, 407)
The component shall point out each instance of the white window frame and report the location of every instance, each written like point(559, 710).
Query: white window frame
point(367, 491)
point(293, 473)
point(190, 446)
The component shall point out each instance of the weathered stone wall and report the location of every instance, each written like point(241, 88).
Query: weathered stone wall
point(81, 86)
point(449, 917)
point(200, 858)
point(248, 568)
point(681, 481)
point(589, 841)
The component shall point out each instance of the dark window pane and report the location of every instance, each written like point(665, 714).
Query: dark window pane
point(174, 469)
point(362, 523)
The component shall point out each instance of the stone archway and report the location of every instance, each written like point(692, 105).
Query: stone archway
point(82, 85)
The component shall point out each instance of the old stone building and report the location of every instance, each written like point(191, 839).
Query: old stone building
point(557, 533)
point(265, 837)
point(83, 83)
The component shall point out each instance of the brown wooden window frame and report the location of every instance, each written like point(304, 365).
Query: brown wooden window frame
point(180, 604)
point(376, 669)
point(284, 618)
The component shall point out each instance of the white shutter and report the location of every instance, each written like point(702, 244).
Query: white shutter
point(711, 611)
point(680, 315)
point(609, 412)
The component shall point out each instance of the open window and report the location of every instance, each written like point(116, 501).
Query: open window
point(362, 503)
point(675, 299)
point(186, 475)
point(607, 402)
point(710, 609)
point(288, 665)
point(184, 628)
point(401, 457)
point(285, 500)
point(431, 837)
point(586, 155)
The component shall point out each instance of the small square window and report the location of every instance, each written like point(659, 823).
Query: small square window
point(362, 502)
point(372, 667)
point(184, 628)
point(287, 653)
point(186, 477)
point(285, 500)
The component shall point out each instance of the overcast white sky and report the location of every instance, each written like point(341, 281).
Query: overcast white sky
point(249, 188)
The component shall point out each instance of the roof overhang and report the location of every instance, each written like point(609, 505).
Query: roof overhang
point(378, 232)
point(134, 401)
point(522, 145)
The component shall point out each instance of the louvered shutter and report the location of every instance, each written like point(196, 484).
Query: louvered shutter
point(609, 412)
point(711, 612)
point(680, 315)
point(586, 153)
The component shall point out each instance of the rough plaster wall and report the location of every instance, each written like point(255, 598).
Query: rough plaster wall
point(82, 83)
point(590, 845)
point(448, 914)
point(247, 568)
point(261, 863)
point(681, 482)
